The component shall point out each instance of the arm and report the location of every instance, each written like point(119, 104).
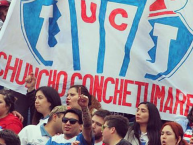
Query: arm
point(30, 84)
point(17, 114)
point(86, 117)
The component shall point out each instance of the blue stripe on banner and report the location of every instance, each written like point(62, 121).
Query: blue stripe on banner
point(131, 36)
point(126, 60)
point(101, 54)
point(74, 32)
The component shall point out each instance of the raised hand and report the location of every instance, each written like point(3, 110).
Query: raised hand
point(75, 143)
point(30, 82)
point(17, 114)
point(82, 100)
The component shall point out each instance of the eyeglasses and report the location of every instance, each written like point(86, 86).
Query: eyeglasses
point(103, 127)
point(71, 120)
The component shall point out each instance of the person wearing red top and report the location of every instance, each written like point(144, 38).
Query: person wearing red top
point(7, 119)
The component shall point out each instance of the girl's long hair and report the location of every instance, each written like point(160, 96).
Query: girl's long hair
point(153, 126)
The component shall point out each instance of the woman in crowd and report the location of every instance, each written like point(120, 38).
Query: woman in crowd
point(71, 101)
point(172, 134)
point(187, 125)
point(72, 97)
point(7, 119)
point(146, 127)
point(46, 99)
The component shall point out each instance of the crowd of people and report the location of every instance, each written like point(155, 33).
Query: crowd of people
point(83, 122)
point(39, 118)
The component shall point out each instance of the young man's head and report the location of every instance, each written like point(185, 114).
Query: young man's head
point(8, 137)
point(4, 6)
point(97, 122)
point(72, 123)
point(114, 126)
point(55, 118)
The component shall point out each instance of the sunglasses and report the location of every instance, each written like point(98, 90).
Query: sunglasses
point(71, 120)
point(103, 127)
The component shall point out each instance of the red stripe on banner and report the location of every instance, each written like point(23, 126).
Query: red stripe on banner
point(161, 13)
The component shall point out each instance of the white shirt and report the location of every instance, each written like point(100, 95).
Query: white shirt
point(99, 143)
point(34, 135)
point(43, 120)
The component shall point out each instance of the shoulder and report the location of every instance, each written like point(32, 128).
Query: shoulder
point(130, 137)
point(43, 120)
point(11, 117)
point(32, 129)
point(124, 142)
point(82, 140)
point(10, 120)
point(57, 139)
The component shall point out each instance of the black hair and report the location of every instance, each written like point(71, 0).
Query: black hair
point(53, 98)
point(77, 112)
point(153, 126)
point(9, 137)
point(102, 113)
point(190, 116)
point(84, 91)
point(120, 123)
point(9, 99)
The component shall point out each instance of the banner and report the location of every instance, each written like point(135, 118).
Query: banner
point(124, 51)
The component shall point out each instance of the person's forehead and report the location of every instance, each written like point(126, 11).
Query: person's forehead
point(98, 119)
point(143, 106)
point(71, 115)
point(3, 8)
point(72, 90)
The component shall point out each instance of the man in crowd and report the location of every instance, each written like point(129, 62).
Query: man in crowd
point(8, 137)
point(115, 129)
point(40, 134)
point(97, 122)
point(72, 125)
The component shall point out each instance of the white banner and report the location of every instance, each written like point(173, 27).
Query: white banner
point(124, 51)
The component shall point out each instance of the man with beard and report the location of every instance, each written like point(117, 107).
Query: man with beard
point(97, 122)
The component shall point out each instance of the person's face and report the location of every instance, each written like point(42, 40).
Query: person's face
point(72, 98)
point(168, 136)
point(41, 103)
point(3, 108)
point(97, 123)
point(106, 133)
point(3, 12)
point(142, 114)
point(69, 129)
point(2, 141)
